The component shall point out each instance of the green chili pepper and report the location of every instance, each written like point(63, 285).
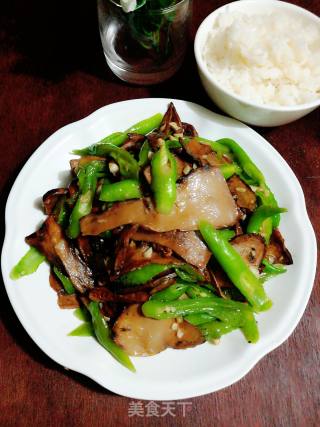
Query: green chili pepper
point(273, 268)
point(235, 267)
point(227, 234)
point(83, 314)
point(103, 335)
point(198, 319)
point(171, 293)
point(87, 177)
point(28, 264)
point(252, 176)
point(249, 328)
point(229, 169)
point(234, 315)
point(120, 191)
point(214, 329)
point(71, 200)
point(66, 282)
point(147, 125)
point(195, 291)
point(83, 330)
point(128, 165)
point(267, 198)
point(214, 306)
point(257, 220)
point(164, 176)
point(143, 274)
point(61, 212)
point(118, 138)
point(187, 273)
point(243, 160)
point(173, 143)
point(144, 154)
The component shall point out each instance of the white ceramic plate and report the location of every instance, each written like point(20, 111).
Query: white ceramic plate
point(172, 374)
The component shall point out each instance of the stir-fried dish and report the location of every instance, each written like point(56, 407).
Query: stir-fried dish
point(162, 239)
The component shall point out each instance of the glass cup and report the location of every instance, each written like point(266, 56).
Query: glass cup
point(146, 46)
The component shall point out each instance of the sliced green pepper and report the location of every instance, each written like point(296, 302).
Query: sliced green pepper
point(229, 169)
point(87, 176)
point(214, 306)
point(83, 314)
point(83, 330)
point(103, 335)
point(235, 267)
point(118, 138)
point(61, 212)
point(243, 160)
point(66, 282)
point(164, 176)
point(120, 191)
point(173, 143)
point(143, 274)
point(257, 222)
point(227, 234)
point(198, 319)
point(144, 153)
point(273, 268)
point(171, 293)
point(195, 291)
point(214, 329)
point(270, 271)
point(253, 176)
point(28, 264)
point(187, 273)
point(147, 125)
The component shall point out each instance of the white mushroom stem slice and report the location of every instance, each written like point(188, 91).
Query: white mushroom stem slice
point(142, 336)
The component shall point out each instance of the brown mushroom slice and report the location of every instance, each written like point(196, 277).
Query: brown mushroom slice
point(129, 258)
point(171, 122)
point(202, 153)
point(84, 247)
point(183, 167)
point(251, 247)
point(64, 300)
point(103, 294)
point(55, 283)
point(242, 193)
point(134, 142)
point(202, 195)
point(276, 251)
point(189, 130)
point(51, 198)
point(50, 241)
point(186, 244)
point(147, 174)
point(142, 336)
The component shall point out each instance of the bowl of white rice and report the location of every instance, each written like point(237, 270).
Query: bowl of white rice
point(259, 60)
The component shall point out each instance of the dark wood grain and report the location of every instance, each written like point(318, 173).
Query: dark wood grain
point(53, 73)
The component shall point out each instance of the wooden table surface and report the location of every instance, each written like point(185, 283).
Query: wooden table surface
point(53, 73)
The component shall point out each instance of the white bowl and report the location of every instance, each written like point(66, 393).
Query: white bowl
point(237, 106)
